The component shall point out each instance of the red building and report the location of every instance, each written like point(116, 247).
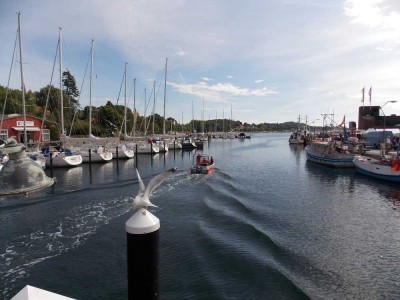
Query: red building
point(13, 126)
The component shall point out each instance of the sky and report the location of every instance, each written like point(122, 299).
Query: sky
point(253, 61)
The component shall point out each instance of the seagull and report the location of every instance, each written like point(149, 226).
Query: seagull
point(142, 198)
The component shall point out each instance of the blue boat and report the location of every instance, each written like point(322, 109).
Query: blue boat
point(330, 153)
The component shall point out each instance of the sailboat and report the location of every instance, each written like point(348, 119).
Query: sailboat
point(118, 148)
point(93, 149)
point(62, 157)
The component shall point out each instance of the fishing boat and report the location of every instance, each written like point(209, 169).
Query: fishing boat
point(331, 153)
point(203, 165)
point(385, 169)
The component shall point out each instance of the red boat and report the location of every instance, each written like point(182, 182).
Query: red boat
point(204, 164)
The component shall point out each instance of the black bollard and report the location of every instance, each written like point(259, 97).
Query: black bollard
point(90, 161)
point(116, 151)
point(143, 255)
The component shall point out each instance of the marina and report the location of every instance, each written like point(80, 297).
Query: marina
point(266, 224)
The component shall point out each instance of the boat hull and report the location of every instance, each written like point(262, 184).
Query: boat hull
point(65, 161)
point(374, 168)
point(97, 157)
point(202, 169)
point(331, 159)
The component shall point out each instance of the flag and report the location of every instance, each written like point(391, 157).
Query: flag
point(369, 93)
point(343, 121)
point(362, 91)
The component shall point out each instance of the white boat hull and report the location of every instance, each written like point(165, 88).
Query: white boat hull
point(97, 157)
point(65, 161)
point(376, 168)
point(147, 149)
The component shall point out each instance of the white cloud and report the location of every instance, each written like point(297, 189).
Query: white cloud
point(220, 91)
point(207, 79)
point(258, 81)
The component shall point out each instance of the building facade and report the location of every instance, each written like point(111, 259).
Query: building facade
point(373, 117)
point(13, 127)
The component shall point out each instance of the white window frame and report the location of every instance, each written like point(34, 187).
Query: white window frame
point(4, 134)
point(46, 135)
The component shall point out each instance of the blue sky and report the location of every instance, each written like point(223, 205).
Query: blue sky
point(270, 61)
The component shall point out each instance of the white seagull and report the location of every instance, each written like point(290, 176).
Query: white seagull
point(142, 199)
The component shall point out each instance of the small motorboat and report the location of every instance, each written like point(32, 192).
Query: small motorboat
point(204, 164)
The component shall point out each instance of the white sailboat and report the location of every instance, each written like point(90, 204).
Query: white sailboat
point(62, 157)
point(118, 148)
point(93, 149)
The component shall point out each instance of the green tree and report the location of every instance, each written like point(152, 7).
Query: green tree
point(71, 92)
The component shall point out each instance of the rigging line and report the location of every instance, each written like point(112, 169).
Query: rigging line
point(120, 88)
point(8, 82)
point(48, 93)
point(148, 103)
point(79, 97)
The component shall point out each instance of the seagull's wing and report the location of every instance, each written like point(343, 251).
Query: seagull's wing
point(155, 182)
point(141, 184)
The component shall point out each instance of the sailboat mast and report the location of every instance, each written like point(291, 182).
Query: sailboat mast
point(145, 107)
point(216, 122)
point(134, 107)
point(192, 118)
point(202, 118)
point(22, 78)
point(230, 126)
point(165, 92)
point(125, 103)
point(223, 120)
point(61, 91)
point(90, 89)
point(154, 104)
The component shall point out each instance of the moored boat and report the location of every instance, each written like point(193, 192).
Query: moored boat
point(188, 143)
point(97, 154)
point(330, 153)
point(385, 169)
point(203, 165)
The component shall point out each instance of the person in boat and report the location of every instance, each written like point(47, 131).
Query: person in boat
point(204, 162)
point(198, 159)
point(211, 160)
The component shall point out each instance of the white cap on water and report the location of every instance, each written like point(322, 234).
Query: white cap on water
point(142, 222)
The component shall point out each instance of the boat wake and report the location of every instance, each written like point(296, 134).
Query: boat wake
point(58, 236)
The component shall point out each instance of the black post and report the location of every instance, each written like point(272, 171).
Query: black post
point(51, 164)
point(174, 149)
point(116, 150)
point(143, 255)
point(90, 161)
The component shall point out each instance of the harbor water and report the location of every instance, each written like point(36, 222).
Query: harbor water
point(266, 224)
